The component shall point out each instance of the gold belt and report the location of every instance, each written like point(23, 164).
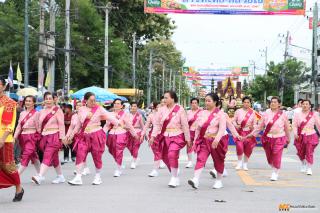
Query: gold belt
point(308, 130)
point(118, 127)
point(89, 128)
point(50, 129)
point(275, 132)
point(28, 129)
point(210, 135)
point(172, 130)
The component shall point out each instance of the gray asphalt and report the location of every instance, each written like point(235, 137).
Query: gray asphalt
point(134, 191)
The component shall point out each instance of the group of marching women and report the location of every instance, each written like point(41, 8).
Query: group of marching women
point(168, 129)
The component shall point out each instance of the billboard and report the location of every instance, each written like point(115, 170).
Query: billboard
point(227, 7)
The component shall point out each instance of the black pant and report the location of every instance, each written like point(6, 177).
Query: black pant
point(66, 150)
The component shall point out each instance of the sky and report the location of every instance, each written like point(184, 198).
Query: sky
point(233, 40)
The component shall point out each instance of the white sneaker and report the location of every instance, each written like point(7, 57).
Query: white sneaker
point(153, 173)
point(245, 166)
point(217, 184)
point(225, 173)
point(59, 179)
point(303, 168)
point(239, 165)
point(77, 180)
point(133, 165)
point(274, 176)
point(213, 173)
point(97, 180)
point(37, 179)
point(117, 173)
point(86, 171)
point(162, 165)
point(174, 182)
point(194, 182)
point(189, 164)
point(309, 171)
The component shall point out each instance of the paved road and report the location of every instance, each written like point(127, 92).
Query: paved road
point(135, 192)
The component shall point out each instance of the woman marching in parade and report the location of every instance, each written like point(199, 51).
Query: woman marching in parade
point(9, 176)
point(276, 134)
point(306, 138)
point(27, 135)
point(138, 125)
point(155, 146)
point(193, 114)
point(244, 120)
point(90, 137)
point(52, 130)
point(171, 131)
point(210, 139)
point(118, 135)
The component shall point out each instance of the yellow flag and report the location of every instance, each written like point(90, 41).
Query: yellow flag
point(48, 79)
point(19, 74)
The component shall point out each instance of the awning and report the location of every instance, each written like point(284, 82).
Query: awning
point(126, 91)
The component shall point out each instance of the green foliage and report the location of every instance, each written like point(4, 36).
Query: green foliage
point(87, 39)
point(294, 72)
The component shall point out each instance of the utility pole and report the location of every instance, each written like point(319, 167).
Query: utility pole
point(107, 9)
point(170, 81)
point(51, 46)
point(66, 86)
point(42, 47)
point(282, 74)
point(149, 79)
point(134, 60)
point(26, 43)
point(315, 53)
point(180, 81)
point(163, 77)
point(174, 81)
point(265, 52)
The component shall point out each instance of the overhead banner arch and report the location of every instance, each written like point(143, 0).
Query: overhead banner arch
point(226, 7)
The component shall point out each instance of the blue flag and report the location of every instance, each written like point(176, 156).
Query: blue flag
point(10, 76)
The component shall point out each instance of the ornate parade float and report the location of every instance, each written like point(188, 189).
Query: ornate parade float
point(230, 94)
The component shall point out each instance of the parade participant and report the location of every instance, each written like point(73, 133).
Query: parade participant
point(118, 135)
point(67, 122)
point(138, 125)
point(9, 175)
point(155, 146)
point(275, 136)
point(210, 139)
point(193, 114)
point(244, 121)
point(298, 106)
point(71, 142)
point(234, 134)
point(52, 130)
point(27, 135)
point(89, 137)
point(172, 131)
point(306, 138)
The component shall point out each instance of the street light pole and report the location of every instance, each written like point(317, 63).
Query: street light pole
point(149, 79)
point(134, 60)
point(26, 43)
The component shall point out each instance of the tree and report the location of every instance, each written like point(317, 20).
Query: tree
point(165, 56)
point(245, 86)
point(294, 72)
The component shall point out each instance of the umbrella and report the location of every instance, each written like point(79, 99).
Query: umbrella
point(122, 98)
point(102, 95)
point(27, 91)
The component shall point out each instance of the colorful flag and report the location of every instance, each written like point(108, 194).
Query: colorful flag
point(10, 76)
point(19, 74)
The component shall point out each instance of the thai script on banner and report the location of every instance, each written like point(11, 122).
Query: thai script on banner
point(227, 7)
